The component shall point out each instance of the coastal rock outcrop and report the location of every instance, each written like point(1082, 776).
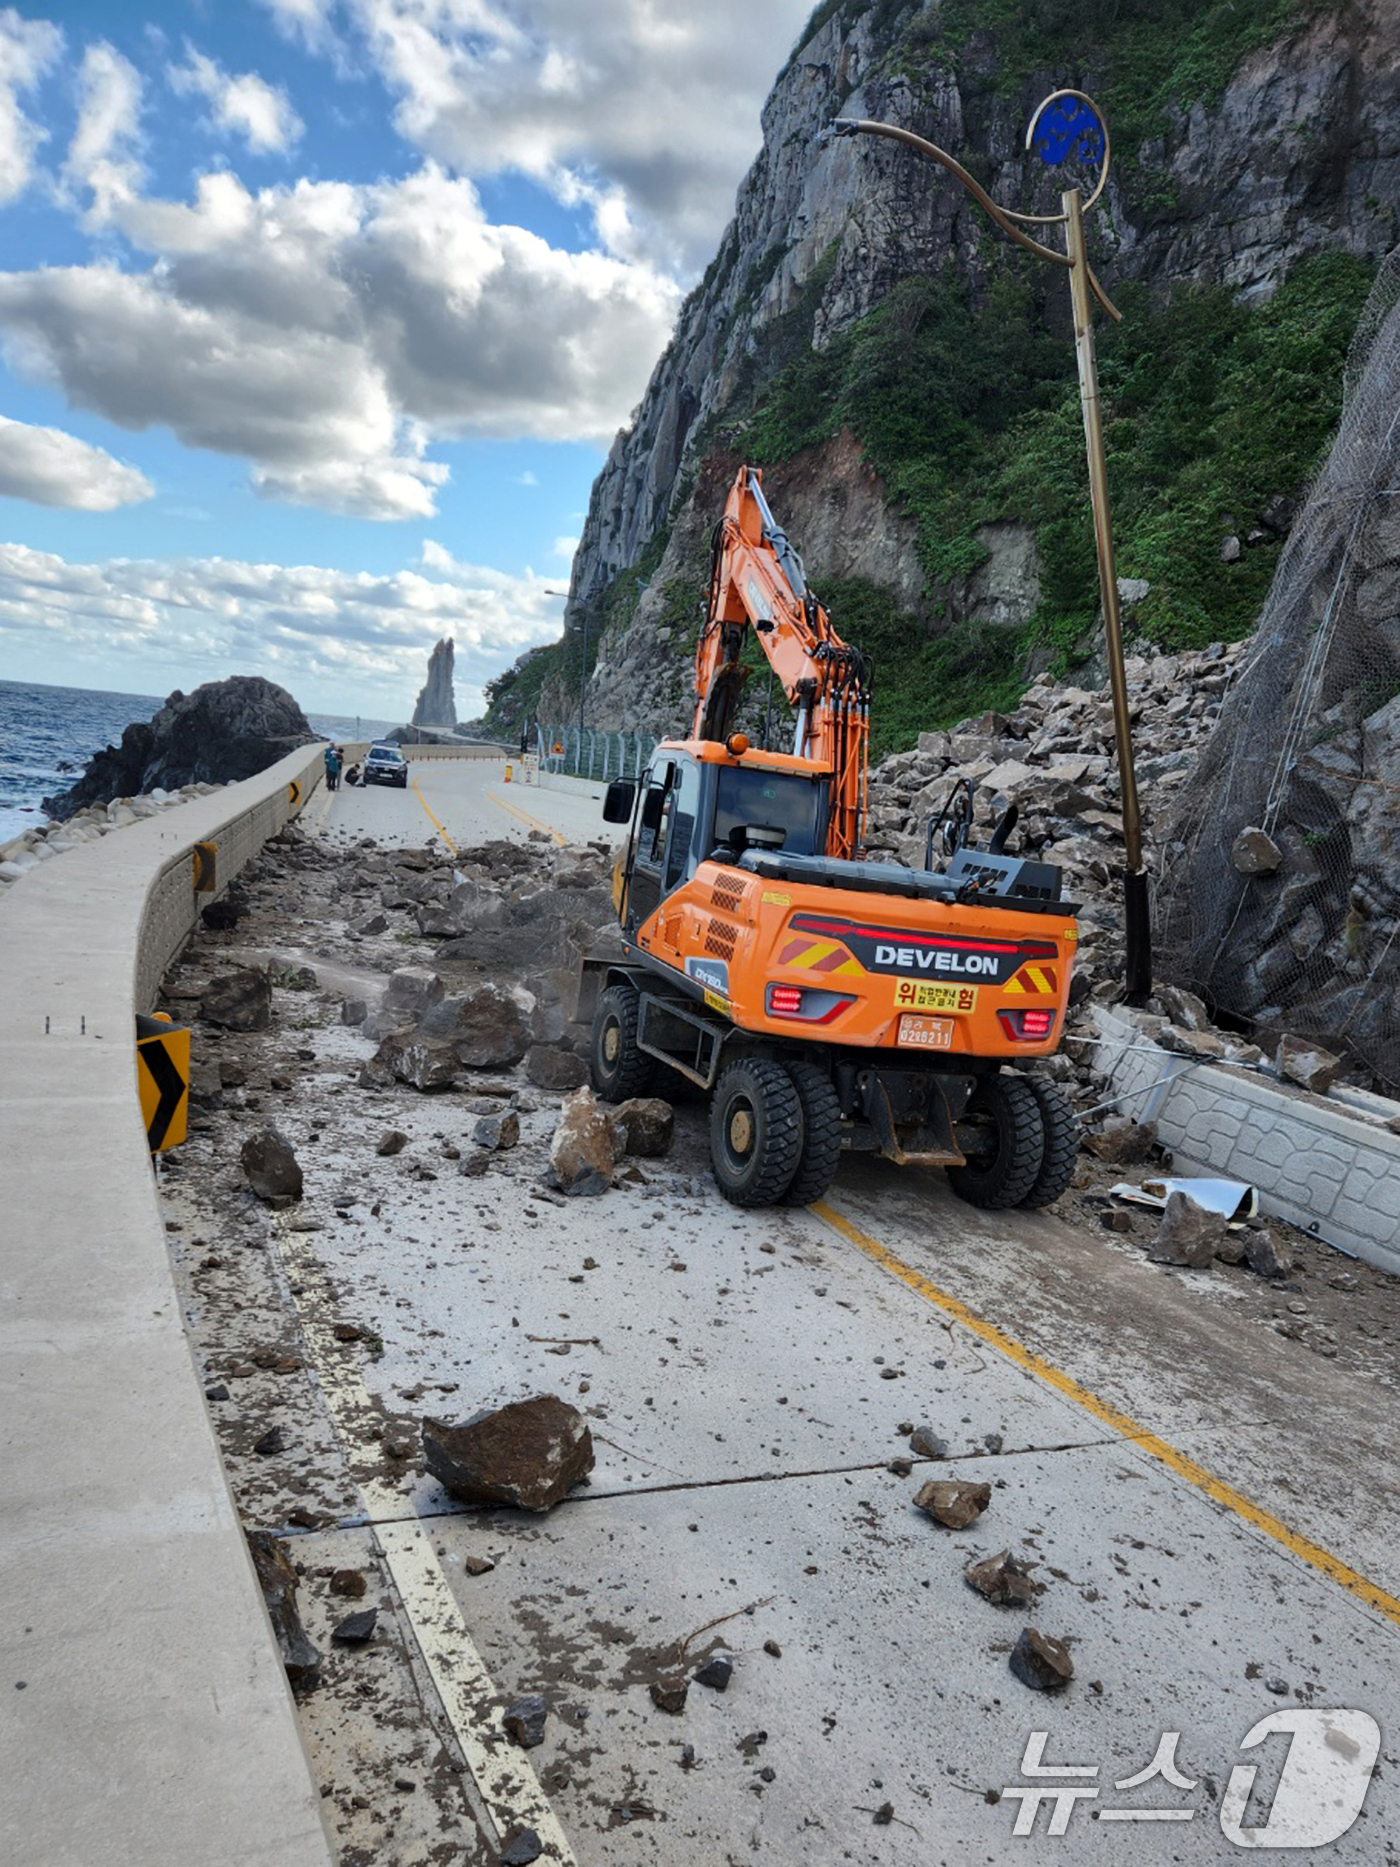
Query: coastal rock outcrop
point(436, 705)
point(223, 731)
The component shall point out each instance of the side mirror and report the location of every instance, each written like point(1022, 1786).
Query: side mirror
point(652, 805)
point(618, 801)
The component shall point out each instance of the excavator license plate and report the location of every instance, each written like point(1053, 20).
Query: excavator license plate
point(925, 995)
point(927, 1033)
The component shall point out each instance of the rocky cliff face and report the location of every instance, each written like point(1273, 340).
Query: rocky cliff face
point(1281, 890)
point(1300, 155)
point(223, 731)
point(436, 704)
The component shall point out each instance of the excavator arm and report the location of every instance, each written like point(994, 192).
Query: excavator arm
point(757, 582)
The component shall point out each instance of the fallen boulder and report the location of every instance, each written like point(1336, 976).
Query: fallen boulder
point(278, 1581)
point(487, 1025)
point(527, 1454)
point(548, 1067)
point(422, 1062)
point(1002, 1580)
point(525, 1720)
point(953, 1502)
point(1266, 1255)
point(239, 1001)
point(410, 995)
point(497, 1131)
point(586, 1146)
point(1040, 1662)
point(270, 1162)
point(1188, 1235)
point(648, 1126)
point(1308, 1065)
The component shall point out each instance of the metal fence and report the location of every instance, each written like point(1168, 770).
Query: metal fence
point(586, 752)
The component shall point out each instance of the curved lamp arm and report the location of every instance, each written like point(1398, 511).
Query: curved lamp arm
point(1004, 218)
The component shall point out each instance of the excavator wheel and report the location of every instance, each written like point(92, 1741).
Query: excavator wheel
point(755, 1132)
point(1061, 1126)
point(821, 1134)
point(1006, 1147)
point(616, 1068)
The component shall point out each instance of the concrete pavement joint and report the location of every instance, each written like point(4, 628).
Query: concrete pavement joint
point(1313, 1554)
point(510, 1790)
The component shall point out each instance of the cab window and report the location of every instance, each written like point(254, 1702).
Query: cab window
point(780, 800)
point(685, 803)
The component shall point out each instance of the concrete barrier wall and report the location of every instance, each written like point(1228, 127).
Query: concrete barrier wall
point(1315, 1164)
point(145, 1716)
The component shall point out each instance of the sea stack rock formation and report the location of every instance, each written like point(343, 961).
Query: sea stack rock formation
point(223, 731)
point(436, 706)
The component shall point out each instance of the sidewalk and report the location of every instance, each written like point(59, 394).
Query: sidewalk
point(146, 1718)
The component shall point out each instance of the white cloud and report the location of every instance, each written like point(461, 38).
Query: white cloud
point(304, 20)
point(28, 49)
point(104, 156)
point(306, 626)
point(648, 114)
point(526, 479)
point(56, 469)
point(327, 332)
point(564, 548)
point(246, 105)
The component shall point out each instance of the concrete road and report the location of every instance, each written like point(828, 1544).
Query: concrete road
point(463, 801)
point(1196, 1498)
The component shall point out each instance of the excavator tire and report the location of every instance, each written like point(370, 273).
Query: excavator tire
point(755, 1132)
point(1061, 1126)
point(616, 1068)
point(821, 1134)
point(1004, 1169)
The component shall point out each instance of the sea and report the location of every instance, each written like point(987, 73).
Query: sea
point(48, 734)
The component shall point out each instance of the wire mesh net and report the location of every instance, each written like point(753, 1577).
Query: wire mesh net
point(1279, 899)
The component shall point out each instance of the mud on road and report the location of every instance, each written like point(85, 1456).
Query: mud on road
point(752, 1384)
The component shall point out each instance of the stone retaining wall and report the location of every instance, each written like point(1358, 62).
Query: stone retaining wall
point(1315, 1164)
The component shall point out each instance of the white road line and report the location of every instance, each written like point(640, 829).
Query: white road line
point(505, 1780)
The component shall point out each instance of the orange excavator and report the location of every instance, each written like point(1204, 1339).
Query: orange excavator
point(829, 1002)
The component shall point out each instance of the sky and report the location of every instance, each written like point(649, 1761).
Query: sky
point(318, 317)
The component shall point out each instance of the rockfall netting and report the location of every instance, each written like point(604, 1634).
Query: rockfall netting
point(1297, 926)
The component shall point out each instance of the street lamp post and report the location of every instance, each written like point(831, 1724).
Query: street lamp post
point(1068, 124)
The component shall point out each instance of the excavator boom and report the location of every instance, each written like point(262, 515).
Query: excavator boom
point(757, 582)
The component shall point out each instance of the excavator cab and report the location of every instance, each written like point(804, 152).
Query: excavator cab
point(702, 801)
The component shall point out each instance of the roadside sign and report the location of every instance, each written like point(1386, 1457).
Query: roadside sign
point(163, 1078)
point(206, 868)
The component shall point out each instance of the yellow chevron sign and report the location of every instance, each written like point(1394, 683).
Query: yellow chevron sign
point(294, 793)
point(1032, 981)
point(206, 868)
point(163, 1079)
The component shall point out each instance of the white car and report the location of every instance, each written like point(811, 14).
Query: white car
point(385, 764)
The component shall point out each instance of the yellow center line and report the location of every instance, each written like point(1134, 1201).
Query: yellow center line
point(435, 820)
point(525, 817)
point(1119, 1422)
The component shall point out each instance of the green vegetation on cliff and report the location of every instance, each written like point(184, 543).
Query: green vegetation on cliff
point(972, 415)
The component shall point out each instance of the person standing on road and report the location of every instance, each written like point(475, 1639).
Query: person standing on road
point(332, 767)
